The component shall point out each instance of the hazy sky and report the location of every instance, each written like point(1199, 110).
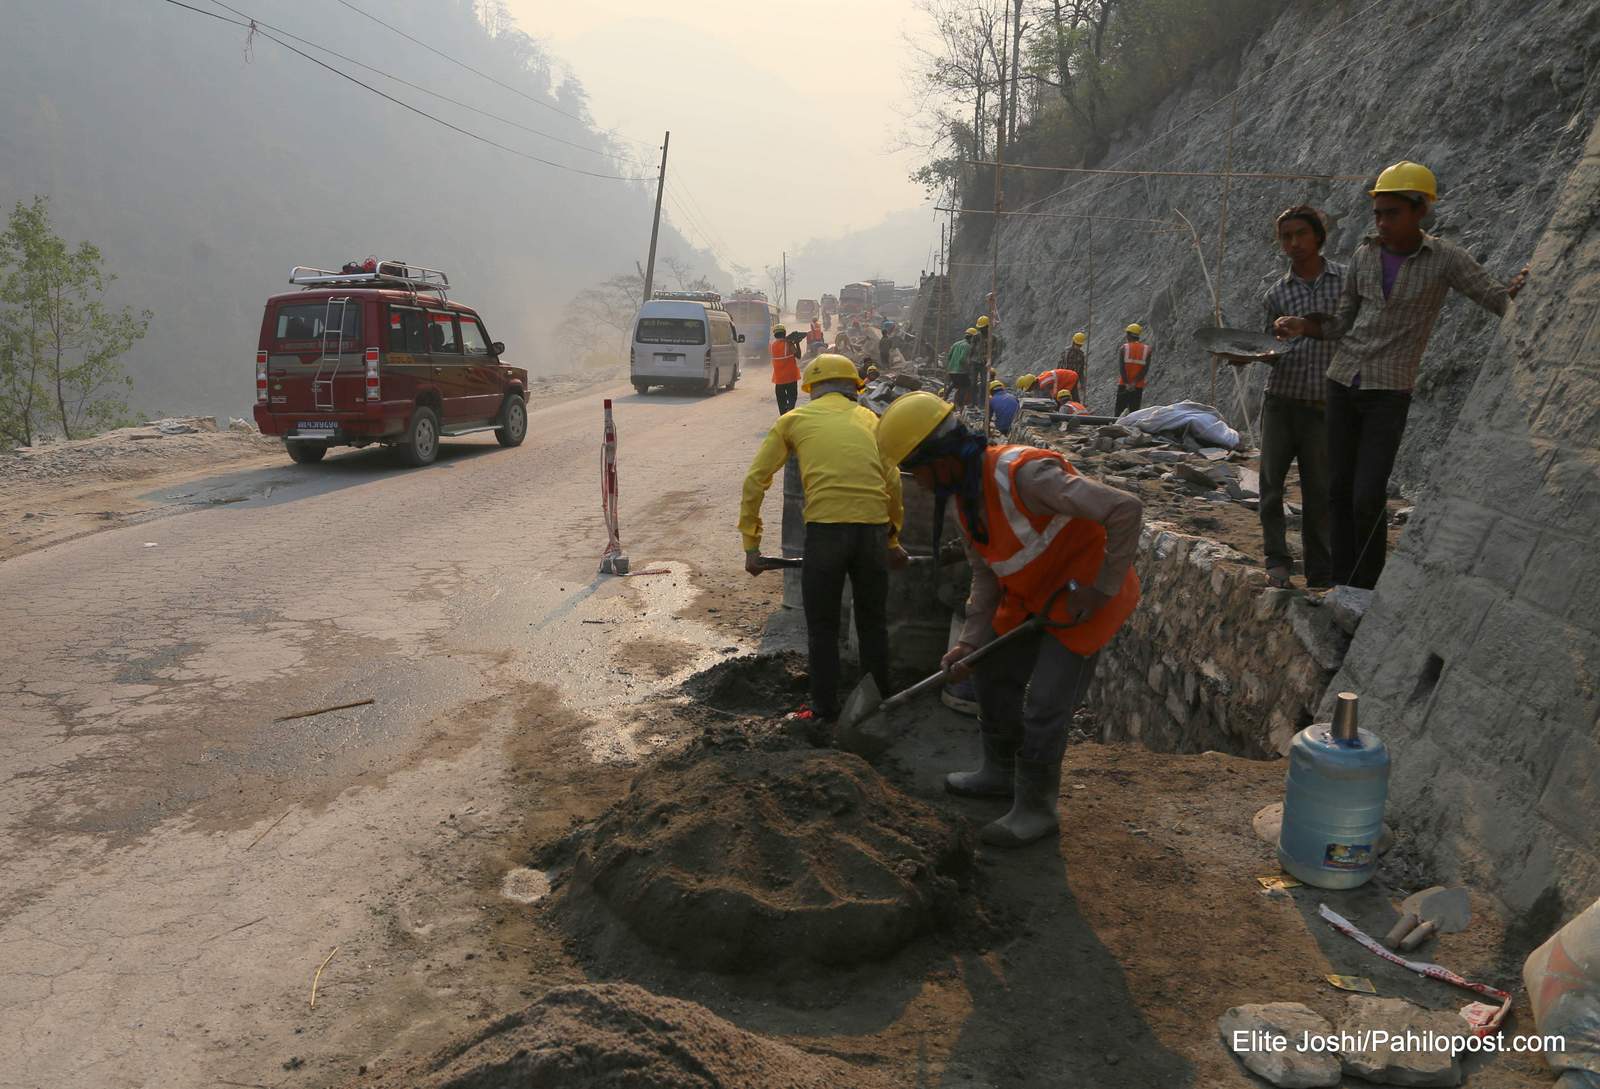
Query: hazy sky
point(782, 114)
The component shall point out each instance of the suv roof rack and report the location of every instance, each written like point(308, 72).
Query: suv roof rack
point(386, 274)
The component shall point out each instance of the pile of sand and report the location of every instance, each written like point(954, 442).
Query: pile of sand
point(741, 857)
point(618, 1036)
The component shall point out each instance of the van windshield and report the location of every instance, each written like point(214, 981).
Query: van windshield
point(671, 331)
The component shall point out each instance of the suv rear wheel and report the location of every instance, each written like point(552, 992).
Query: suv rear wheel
point(305, 453)
point(421, 445)
point(513, 422)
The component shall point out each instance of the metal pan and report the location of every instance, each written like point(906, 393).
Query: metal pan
point(1241, 344)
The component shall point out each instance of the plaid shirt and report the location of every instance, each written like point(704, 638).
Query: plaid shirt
point(1382, 340)
point(1301, 372)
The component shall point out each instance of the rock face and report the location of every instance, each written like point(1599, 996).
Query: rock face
point(1212, 659)
point(1501, 143)
point(1397, 1062)
point(1478, 660)
point(602, 1036)
point(1250, 1032)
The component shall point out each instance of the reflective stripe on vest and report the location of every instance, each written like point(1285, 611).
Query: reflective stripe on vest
point(1134, 355)
point(1033, 542)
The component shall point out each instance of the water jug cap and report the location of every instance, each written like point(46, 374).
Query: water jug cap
point(1344, 718)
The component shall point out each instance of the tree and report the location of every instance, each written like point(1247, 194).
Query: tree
point(60, 346)
point(599, 316)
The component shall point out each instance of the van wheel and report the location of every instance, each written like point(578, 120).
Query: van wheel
point(734, 381)
point(306, 453)
point(513, 422)
point(716, 383)
point(421, 445)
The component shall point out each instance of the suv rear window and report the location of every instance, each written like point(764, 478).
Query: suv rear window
point(306, 321)
point(671, 331)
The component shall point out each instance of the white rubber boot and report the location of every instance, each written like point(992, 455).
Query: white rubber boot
point(995, 775)
point(1033, 812)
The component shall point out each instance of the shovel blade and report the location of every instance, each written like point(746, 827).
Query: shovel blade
point(860, 728)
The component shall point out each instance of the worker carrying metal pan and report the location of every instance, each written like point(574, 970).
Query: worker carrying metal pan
point(1031, 526)
point(853, 514)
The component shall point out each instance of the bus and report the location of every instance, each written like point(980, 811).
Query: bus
point(754, 318)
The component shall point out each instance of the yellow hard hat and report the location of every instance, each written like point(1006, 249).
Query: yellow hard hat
point(1027, 381)
point(1136, 329)
point(983, 322)
point(1078, 338)
point(996, 384)
point(1407, 177)
point(777, 330)
point(826, 367)
point(972, 332)
point(908, 422)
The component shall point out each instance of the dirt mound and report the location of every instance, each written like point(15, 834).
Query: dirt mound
point(618, 1036)
point(737, 857)
point(758, 684)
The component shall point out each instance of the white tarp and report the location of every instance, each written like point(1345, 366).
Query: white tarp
point(1204, 423)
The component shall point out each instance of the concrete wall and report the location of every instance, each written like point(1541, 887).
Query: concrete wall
point(1478, 661)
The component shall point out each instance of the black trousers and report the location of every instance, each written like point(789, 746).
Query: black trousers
point(1129, 399)
point(836, 551)
point(1294, 431)
point(788, 394)
point(1028, 691)
point(1365, 427)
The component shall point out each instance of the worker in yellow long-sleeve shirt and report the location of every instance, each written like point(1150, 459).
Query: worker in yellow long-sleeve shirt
point(853, 514)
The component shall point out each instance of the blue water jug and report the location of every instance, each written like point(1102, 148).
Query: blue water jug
point(1333, 801)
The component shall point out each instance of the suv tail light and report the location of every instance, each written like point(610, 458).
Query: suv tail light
point(372, 374)
point(261, 377)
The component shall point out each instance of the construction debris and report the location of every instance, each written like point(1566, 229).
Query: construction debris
point(1253, 1033)
point(1403, 1059)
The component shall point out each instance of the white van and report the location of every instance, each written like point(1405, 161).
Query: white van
point(687, 343)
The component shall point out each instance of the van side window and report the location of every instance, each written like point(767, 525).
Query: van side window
point(721, 332)
point(473, 341)
point(442, 338)
point(407, 330)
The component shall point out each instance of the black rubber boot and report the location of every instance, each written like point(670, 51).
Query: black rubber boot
point(1033, 810)
point(995, 775)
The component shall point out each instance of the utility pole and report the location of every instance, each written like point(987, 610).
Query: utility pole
point(941, 287)
point(999, 221)
point(655, 226)
point(783, 299)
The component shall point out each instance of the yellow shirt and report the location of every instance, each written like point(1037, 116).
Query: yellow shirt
point(845, 479)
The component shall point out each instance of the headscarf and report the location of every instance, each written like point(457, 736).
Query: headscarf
point(967, 447)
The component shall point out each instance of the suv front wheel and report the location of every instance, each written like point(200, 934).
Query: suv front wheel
point(513, 422)
point(421, 445)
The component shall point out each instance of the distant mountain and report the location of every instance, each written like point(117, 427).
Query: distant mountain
point(204, 164)
point(899, 249)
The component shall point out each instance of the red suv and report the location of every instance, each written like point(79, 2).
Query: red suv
point(376, 352)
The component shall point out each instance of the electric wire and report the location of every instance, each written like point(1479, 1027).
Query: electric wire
point(255, 27)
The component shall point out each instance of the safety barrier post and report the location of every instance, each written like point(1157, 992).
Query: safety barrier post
point(614, 561)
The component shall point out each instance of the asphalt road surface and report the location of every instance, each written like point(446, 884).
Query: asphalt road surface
point(177, 863)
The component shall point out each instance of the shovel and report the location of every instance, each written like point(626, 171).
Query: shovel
point(862, 727)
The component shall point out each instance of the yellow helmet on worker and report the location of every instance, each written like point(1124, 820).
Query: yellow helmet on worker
point(983, 322)
point(778, 331)
point(996, 385)
point(1135, 330)
point(1407, 177)
point(1027, 381)
point(908, 422)
point(1079, 339)
point(828, 367)
point(972, 332)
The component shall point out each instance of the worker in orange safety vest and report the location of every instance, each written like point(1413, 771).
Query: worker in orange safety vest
point(1043, 541)
point(1054, 383)
point(1133, 365)
point(785, 370)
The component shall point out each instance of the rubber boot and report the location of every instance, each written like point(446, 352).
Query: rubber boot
point(1033, 812)
point(995, 774)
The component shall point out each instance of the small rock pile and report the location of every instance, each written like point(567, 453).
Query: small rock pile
point(1271, 1039)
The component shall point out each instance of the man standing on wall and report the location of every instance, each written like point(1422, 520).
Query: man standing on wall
point(853, 513)
point(1292, 425)
point(956, 368)
point(1074, 358)
point(785, 370)
point(1133, 363)
point(1393, 293)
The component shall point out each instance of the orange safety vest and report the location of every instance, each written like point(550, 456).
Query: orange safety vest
point(1034, 555)
point(1135, 357)
point(784, 366)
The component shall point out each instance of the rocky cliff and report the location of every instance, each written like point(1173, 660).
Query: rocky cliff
point(1496, 97)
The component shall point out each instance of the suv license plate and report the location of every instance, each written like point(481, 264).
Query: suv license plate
point(316, 425)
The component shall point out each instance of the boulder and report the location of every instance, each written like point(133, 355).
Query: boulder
point(1265, 1038)
point(1392, 1062)
point(1348, 604)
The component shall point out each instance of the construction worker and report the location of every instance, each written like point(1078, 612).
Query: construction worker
point(1055, 383)
point(815, 341)
point(1293, 427)
point(853, 514)
point(956, 368)
point(985, 353)
point(1003, 406)
point(1042, 540)
point(1392, 296)
point(1026, 383)
point(1133, 363)
point(1067, 401)
point(1075, 358)
point(785, 369)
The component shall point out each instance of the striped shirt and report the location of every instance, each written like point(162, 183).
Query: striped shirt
point(1381, 340)
point(1301, 372)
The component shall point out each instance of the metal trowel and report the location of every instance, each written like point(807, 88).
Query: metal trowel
point(864, 727)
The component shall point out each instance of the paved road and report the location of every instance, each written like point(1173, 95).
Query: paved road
point(176, 863)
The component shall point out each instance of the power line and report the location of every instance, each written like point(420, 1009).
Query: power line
point(413, 86)
point(255, 27)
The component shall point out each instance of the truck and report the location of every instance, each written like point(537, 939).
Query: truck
point(754, 318)
point(805, 311)
point(855, 300)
